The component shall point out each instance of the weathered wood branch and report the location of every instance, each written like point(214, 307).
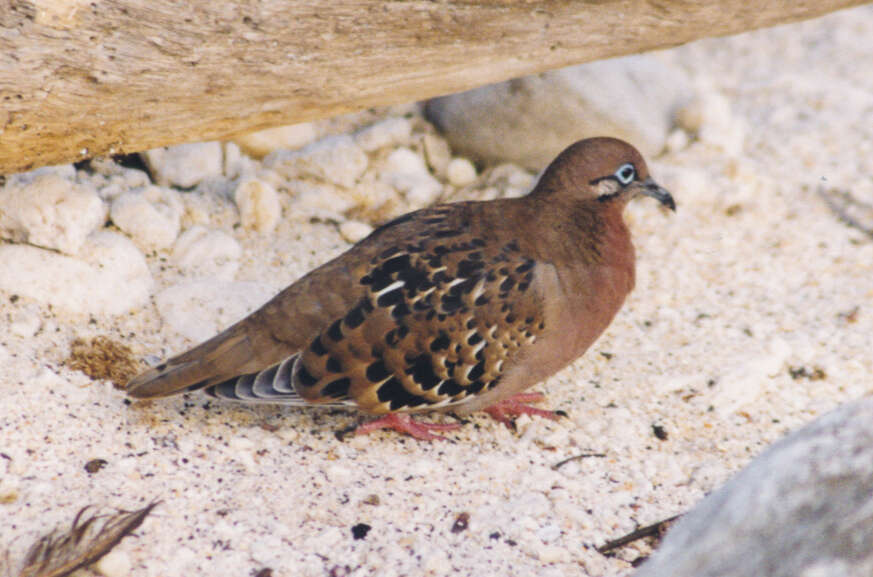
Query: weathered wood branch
point(80, 78)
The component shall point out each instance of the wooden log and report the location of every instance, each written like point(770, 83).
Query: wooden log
point(80, 78)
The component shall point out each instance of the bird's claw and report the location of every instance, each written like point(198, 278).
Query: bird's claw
point(406, 424)
point(516, 405)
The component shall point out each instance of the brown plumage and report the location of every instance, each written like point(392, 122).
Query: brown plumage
point(458, 306)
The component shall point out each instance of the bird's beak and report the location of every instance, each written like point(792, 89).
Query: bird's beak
point(651, 188)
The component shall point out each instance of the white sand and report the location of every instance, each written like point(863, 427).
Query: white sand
point(753, 276)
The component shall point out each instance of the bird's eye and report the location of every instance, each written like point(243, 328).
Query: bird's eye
point(626, 174)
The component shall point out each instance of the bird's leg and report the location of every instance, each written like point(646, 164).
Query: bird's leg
point(406, 424)
point(516, 405)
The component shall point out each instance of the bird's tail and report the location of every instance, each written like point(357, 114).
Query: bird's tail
point(221, 357)
point(272, 385)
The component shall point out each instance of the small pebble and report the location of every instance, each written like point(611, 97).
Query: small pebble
point(437, 154)
point(339, 474)
point(258, 204)
point(552, 554)
point(462, 522)
point(677, 141)
point(95, 465)
point(461, 172)
point(290, 137)
point(185, 165)
point(151, 216)
point(710, 117)
point(287, 434)
point(207, 253)
point(354, 230)
point(235, 163)
point(125, 180)
point(404, 162)
point(335, 159)
point(360, 531)
point(407, 173)
point(388, 132)
point(317, 199)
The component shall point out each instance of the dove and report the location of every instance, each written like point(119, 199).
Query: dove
point(458, 307)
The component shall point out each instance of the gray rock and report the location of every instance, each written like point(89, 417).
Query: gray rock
point(530, 120)
point(803, 508)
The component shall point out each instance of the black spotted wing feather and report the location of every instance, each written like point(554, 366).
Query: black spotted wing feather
point(441, 315)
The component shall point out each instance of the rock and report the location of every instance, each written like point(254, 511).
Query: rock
point(235, 163)
point(111, 277)
point(502, 181)
point(677, 141)
point(552, 554)
point(437, 153)
point(460, 172)
point(407, 173)
point(50, 211)
point(263, 142)
point(202, 252)
point(124, 180)
point(318, 200)
point(66, 171)
point(336, 159)
point(388, 132)
point(530, 120)
point(185, 165)
point(258, 204)
point(151, 216)
point(354, 230)
point(710, 118)
point(200, 309)
point(803, 507)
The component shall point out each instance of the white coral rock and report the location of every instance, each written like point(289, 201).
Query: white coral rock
point(388, 132)
point(407, 173)
point(258, 204)
point(461, 172)
point(354, 230)
point(50, 211)
point(111, 277)
point(201, 252)
point(151, 216)
point(336, 159)
point(185, 165)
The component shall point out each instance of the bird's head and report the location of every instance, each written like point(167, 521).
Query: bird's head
point(602, 169)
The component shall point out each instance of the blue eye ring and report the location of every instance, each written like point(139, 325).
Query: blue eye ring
point(626, 174)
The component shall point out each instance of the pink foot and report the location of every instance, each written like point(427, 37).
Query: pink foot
point(405, 424)
point(516, 405)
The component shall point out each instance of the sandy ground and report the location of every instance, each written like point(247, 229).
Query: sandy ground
point(752, 315)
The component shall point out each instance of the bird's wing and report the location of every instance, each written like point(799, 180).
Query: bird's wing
point(442, 314)
point(421, 314)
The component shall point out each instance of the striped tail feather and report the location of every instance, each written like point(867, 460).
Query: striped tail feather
point(273, 385)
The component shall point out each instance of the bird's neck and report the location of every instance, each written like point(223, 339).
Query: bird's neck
point(588, 232)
